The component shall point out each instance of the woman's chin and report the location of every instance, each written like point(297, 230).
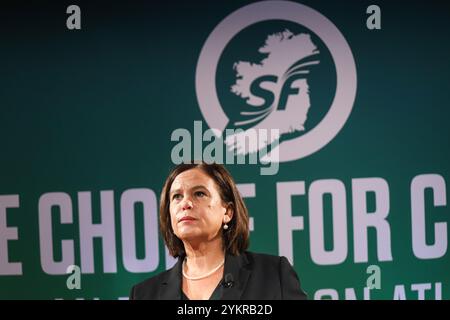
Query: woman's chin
point(188, 233)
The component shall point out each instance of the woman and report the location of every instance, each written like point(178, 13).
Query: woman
point(204, 222)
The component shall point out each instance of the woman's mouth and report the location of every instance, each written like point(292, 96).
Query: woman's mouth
point(186, 218)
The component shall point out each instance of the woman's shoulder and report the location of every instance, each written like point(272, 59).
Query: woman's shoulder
point(149, 288)
point(154, 280)
point(275, 272)
point(263, 258)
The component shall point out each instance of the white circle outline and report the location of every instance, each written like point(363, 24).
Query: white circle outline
point(341, 107)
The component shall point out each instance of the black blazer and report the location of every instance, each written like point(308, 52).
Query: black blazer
point(250, 276)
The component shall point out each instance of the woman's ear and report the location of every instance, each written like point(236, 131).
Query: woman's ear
point(229, 212)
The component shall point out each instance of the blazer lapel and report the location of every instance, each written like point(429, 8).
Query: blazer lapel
point(236, 266)
point(171, 285)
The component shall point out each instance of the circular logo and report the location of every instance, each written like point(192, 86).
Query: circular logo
point(276, 89)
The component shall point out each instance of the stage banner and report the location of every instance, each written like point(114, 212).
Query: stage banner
point(332, 117)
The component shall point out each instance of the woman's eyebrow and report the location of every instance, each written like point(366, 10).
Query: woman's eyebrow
point(199, 187)
point(193, 188)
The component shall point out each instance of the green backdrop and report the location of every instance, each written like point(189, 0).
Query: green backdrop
point(86, 118)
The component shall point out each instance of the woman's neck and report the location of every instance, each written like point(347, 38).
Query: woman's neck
point(203, 257)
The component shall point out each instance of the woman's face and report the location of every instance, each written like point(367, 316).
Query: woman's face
point(197, 212)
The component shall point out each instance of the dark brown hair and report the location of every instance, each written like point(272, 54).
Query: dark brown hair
point(236, 237)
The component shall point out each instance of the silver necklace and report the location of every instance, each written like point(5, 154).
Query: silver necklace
point(202, 276)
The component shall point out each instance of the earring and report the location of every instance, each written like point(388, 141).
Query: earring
point(225, 226)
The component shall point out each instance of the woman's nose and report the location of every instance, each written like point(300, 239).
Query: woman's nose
point(187, 205)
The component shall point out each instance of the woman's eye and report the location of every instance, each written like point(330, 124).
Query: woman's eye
point(200, 194)
point(176, 197)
